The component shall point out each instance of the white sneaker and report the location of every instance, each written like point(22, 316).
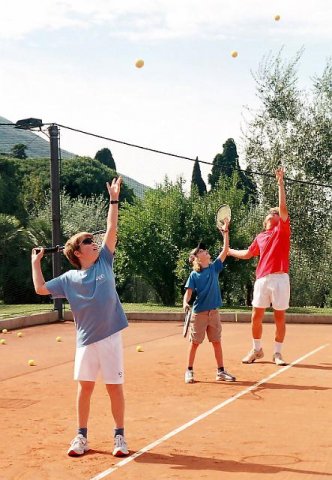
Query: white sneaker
point(120, 446)
point(278, 360)
point(253, 355)
point(225, 377)
point(79, 445)
point(189, 376)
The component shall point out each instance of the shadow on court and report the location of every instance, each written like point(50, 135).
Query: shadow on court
point(324, 366)
point(265, 386)
point(191, 462)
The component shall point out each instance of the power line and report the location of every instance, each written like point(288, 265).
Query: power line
point(306, 182)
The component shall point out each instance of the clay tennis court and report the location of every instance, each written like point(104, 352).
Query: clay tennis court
point(274, 422)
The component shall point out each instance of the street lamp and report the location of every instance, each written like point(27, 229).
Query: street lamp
point(29, 124)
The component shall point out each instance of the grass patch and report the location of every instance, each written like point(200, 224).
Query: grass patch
point(9, 311)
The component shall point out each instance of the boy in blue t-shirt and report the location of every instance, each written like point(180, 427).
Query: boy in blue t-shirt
point(205, 318)
point(99, 319)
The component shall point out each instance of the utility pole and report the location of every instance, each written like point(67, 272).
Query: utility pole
point(55, 204)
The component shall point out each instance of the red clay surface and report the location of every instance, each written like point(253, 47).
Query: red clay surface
point(281, 429)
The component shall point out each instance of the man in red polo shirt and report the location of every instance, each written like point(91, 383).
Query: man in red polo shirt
point(272, 280)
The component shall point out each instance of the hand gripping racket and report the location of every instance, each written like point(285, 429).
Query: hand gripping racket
point(223, 213)
point(186, 322)
point(98, 238)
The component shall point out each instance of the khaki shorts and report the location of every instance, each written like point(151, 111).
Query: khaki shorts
point(209, 322)
point(105, 356)
point(272, 290)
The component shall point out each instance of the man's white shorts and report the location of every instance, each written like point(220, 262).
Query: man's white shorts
point(105, 356)
point(274, 289)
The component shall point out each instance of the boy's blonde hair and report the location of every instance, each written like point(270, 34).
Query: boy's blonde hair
point(72, 245)
point(194, 260)
point(272, 210)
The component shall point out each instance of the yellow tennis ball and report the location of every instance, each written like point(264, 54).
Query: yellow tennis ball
point(139, 63)
point(31, 363)
point(139, 348)
point(277, 18)
point(5, 330)
point(234, 53)
point(3, 341)
point(58, 339)
point(19, 334)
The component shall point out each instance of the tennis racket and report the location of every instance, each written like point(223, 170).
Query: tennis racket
point(98, 238)
point(223, 213)
point(186, 322)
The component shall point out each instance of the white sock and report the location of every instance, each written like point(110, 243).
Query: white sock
point(257, 344)
point(277, 347)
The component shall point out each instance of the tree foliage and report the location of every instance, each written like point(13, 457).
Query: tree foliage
point(105, 156)
point(19, 151)
point(227, 163)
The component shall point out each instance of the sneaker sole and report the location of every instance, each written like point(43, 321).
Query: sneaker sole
point(252, 361)
point(120, 454)
point(224, 380)
point(72, 453)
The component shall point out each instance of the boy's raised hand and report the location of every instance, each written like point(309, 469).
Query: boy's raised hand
point(114, 188)
point(280, 172)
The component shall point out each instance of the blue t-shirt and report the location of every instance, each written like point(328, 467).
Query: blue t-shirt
point(206, 286)
point(93, 299)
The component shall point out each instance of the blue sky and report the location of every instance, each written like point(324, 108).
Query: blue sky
point(72, 62)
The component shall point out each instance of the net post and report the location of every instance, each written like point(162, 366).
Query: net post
point(55, 203)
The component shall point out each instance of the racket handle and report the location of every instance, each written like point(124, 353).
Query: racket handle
point(49, 250)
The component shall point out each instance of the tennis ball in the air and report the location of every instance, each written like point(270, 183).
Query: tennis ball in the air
point(58, 339)
point(234, 53)
point(5, 330)
point(31, 363)
point(19, 334)
point(277, 18)
point(139, 63)
point(139, 348)
point(3, 341)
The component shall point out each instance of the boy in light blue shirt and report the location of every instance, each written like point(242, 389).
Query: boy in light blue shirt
point(205, 319)
point(99, 319)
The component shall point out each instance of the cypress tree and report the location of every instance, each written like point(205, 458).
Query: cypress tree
point(197, 180)
point(105, 156)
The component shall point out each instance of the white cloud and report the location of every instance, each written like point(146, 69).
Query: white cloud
point(159, 19)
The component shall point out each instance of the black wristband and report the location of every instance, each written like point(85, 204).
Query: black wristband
point(114, 201)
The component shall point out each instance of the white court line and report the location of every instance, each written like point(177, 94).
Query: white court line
point(171, 434)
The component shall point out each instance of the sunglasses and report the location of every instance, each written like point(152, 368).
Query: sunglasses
point(87, 241)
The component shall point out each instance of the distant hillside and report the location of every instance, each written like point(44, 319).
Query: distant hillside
point(38, 147)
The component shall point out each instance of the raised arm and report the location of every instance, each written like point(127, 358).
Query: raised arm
point(37, 274)
point(112, 216)
point(282, 194)
point(224, 230)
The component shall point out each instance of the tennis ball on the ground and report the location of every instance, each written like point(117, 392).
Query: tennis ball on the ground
point(139, 63)
point(277, 18)
point(31, 363)
point(58, 339)
point(5, 330)
point(3, 341)
point(234, 53)
point(139, 348)
point(19, 334)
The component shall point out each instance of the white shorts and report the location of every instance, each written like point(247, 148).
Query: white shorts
point(105, 356)
point(274, 289)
